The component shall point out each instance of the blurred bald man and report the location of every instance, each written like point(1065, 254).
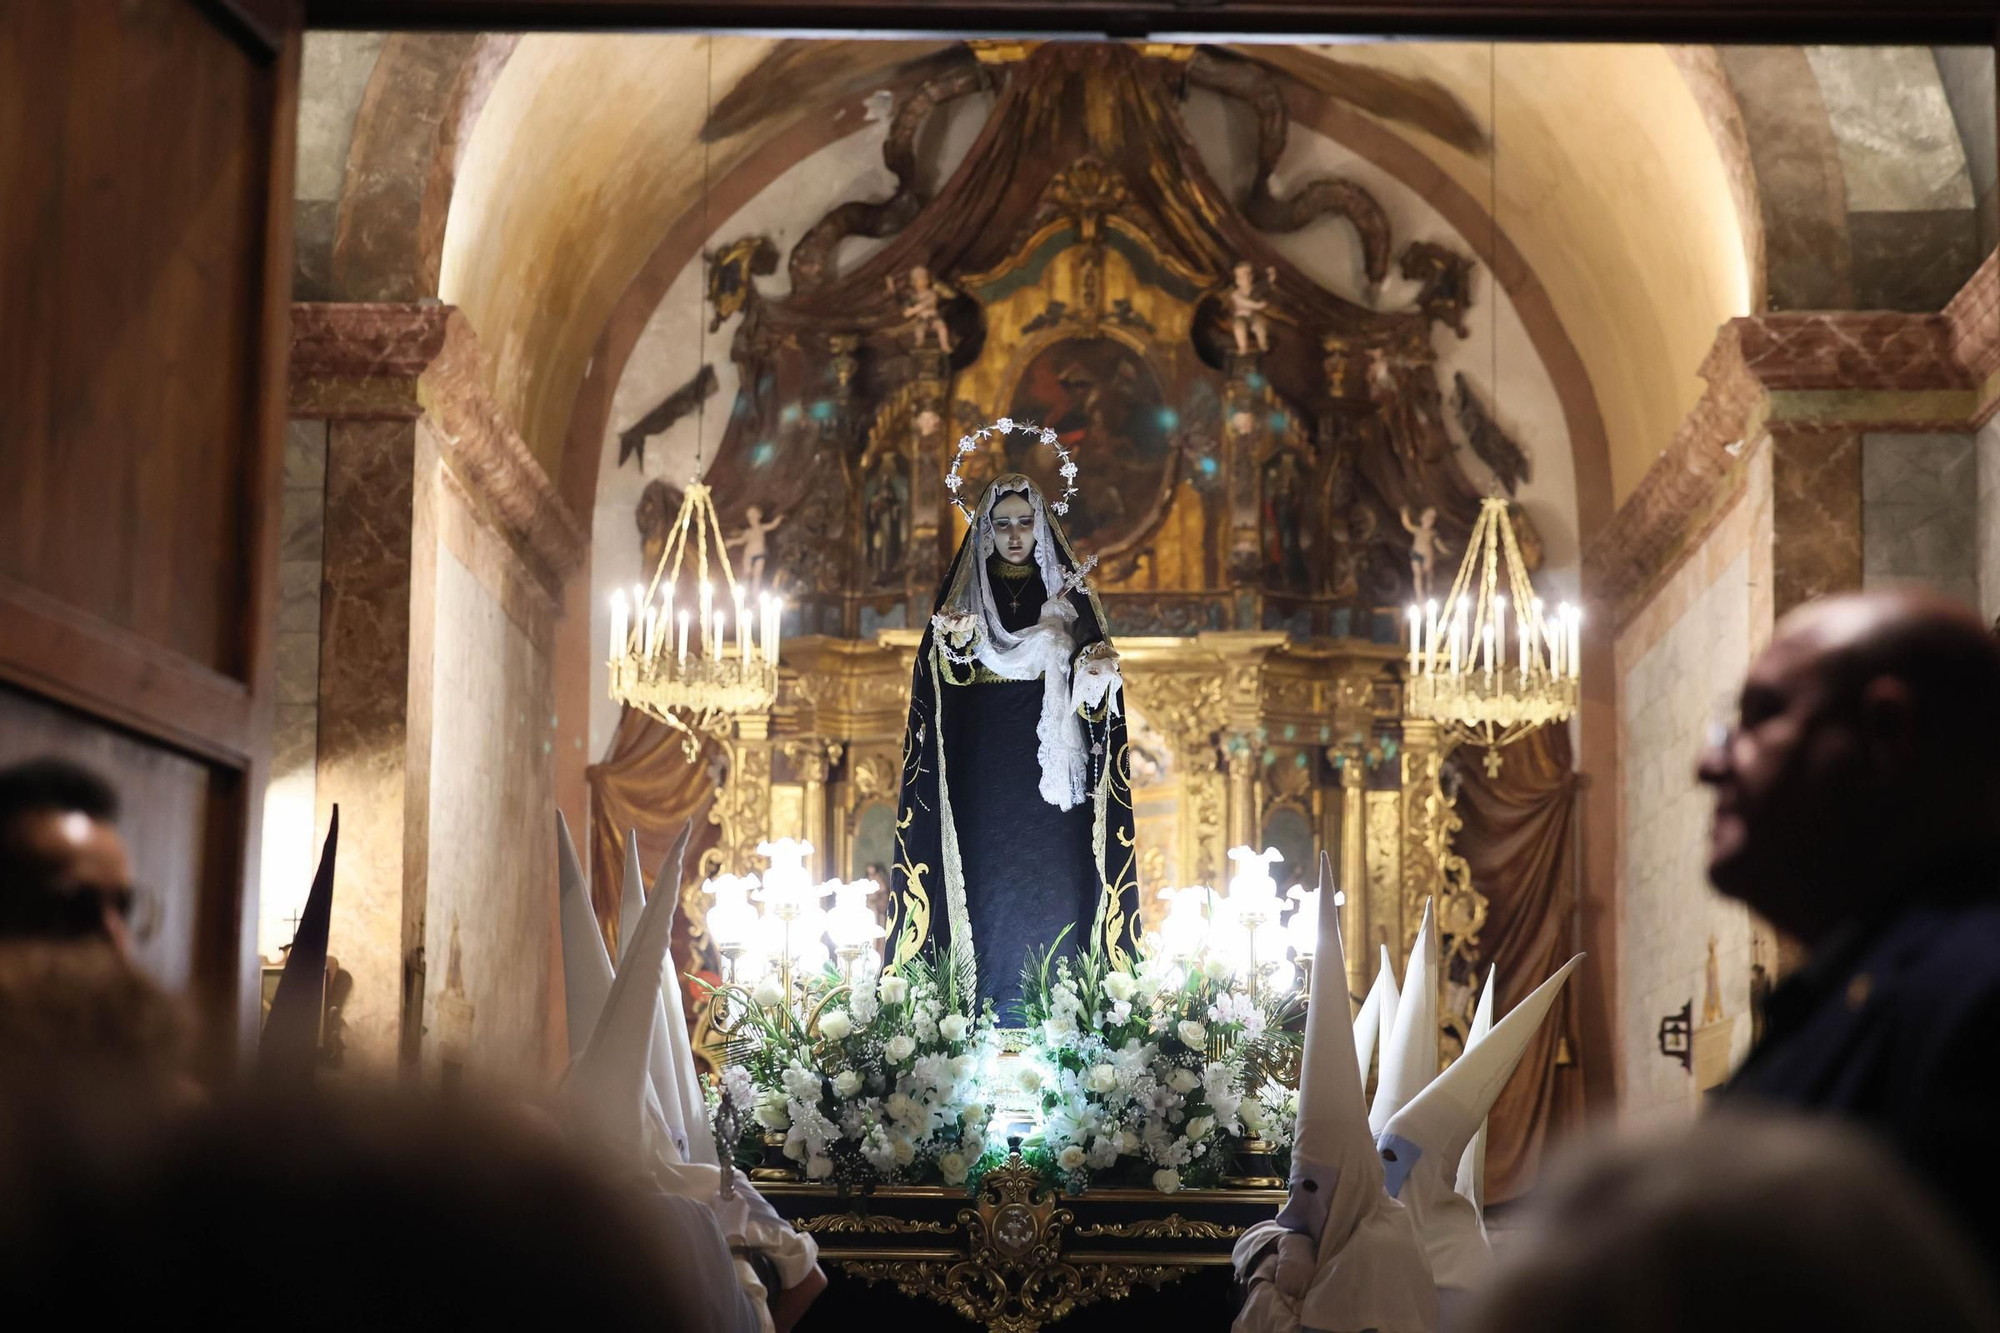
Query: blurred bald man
point(1857, 808)
point(64, 871)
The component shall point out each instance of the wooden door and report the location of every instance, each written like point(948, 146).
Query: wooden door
point(145, 180)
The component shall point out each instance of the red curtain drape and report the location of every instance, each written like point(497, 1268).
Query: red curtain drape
point(1518, 840)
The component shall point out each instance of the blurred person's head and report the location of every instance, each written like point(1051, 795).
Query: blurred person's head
point(1866, 747)
point(1736, 1223)
point(330, 1215)
point(64, 872)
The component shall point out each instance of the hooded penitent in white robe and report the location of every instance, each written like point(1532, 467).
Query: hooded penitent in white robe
point(1424, 1142)
point(1342, 1256)
point(613, 1099)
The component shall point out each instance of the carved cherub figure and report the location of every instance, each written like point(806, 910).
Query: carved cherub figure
point(1246, 308)
point(754, 539)
point(1425, 548)
point(923, 309)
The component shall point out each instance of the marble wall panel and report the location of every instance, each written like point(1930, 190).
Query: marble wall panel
point(1986, 448)
point(1815, 516)
point(1920, 512)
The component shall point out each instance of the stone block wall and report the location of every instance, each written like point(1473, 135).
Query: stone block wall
point(1679, 659)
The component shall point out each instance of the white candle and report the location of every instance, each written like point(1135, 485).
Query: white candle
point(1416, 637)
point(1575, 641)
point(1488, 636)
point(1500, 637)
point(707, 601)
point(1431, 636)
point(684, 639)
point(1556, 640)
point(618, 624)
point(721, 636)
point(652, 629)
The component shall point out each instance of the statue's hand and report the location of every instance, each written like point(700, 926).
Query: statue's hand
point(957, 626)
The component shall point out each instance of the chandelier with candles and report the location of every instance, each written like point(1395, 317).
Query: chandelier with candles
point(697, 668)
point(1466, 673)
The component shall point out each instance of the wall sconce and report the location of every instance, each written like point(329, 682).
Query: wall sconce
point(1677, 1036)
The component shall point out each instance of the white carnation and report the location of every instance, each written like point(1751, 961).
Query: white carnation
point(1166, 1180)
point(898, 1048)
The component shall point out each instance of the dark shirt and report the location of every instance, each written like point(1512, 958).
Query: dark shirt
point(1895, 1025)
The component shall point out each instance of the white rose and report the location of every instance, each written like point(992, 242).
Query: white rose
point(892, 990)
point(953, 1027)
point(1183, 1081)
point(1103, 1078)
point(1057, 1030)
point(1199, 1127)
point(1070, 1158)
point(954, 1167)
point(1253, 1119)
point(1217, 969)
point(963, 1067)
point(1121, 985)
point(846, 1083)
point(1128, 1142)
point(771, 1113)
point(1191, 1032)
point(898, 1048)
point(1166, 1180)
point(834, 1024)
point(1031, 1078)
point(906, 1152)
point(769, 993)
point(819, 1168)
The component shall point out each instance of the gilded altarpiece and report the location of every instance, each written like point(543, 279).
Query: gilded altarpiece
point(1241, 485)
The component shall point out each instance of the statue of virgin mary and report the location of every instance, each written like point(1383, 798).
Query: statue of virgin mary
point(1015, 819)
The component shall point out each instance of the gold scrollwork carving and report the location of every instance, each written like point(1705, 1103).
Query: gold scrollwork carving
point(1171, 1227)
point(850, 1224)
point(1014, 1279)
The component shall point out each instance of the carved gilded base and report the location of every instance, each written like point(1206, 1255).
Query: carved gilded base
point(1021, 1257)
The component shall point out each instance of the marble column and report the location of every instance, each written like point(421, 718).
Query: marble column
point(1354, 865)
point(364, 716)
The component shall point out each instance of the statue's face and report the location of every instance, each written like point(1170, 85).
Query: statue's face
point(1014, 528)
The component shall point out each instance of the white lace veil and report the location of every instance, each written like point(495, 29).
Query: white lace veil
point(1043, 649)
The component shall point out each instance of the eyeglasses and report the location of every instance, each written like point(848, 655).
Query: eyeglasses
point(78, 911)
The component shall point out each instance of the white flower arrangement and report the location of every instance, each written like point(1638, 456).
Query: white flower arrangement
point(1066, 467)
point(872, 1082)
point(1142, 1071)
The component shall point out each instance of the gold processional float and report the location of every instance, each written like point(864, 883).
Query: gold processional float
point(955, 1194)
